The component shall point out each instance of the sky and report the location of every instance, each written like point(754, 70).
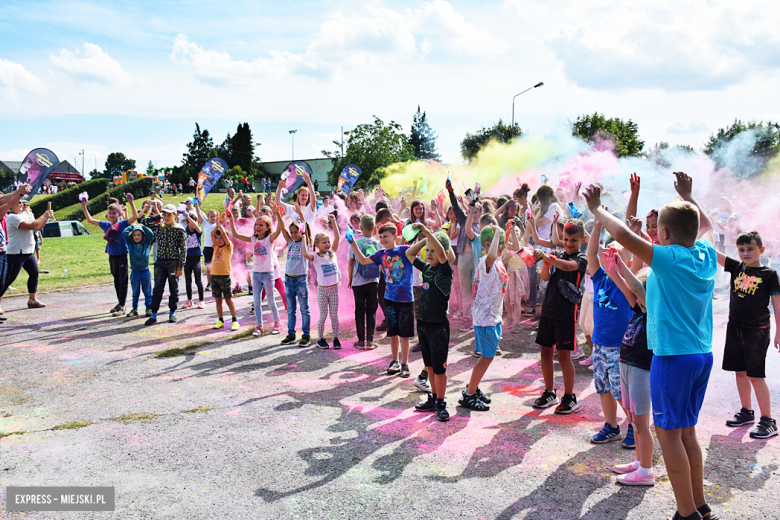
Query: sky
point(134, 77)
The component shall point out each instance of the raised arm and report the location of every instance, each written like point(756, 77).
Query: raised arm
point(638, 246)
point(437, 220)
point(234, 232)
point(631, 280)
point(535, 233)
point(307, 254)
point(414, 249)
point(554, 235)
point(359, 256)
point(131, 201)
point(470, 222)
point(512, 242)
point(280, 221)
point(38, 223)
point(192, 224)
point(492, 253)
point(336, 232)
point(312, 198)
point(593, 249)
point(684, 186)
point(199, 213)
point(87, 216)
point(441, 254)
point(612, 270)
point(13, 198)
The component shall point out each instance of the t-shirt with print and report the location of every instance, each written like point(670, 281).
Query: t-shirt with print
point(118, 246)
point(327, 269)
point(262, 251)
point(397, 270)
point(296, 262)
point(555, 306)
point(365, 244)
point(291, 215)
point(679, 299)
point(220, 262)
point(208, 227)
point(633, 350)
point(436, 288)
point(611, 311)
point(751, 290)
point(489, 288)
point(193, 242)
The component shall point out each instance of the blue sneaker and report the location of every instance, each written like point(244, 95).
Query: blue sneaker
point(606, 434)
point(628, 440)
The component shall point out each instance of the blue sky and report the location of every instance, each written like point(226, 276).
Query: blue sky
point(136, 76)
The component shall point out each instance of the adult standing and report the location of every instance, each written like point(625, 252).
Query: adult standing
point(304, 196)
point(192, 184)
point(6, 202)
point(20, 251)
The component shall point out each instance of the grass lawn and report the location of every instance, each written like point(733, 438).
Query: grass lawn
point(84, 257)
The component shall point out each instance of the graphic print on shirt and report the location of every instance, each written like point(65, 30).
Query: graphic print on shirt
point(604, 301)
point(502, 276)
point(634, 327)
point(260, 249)
point(394, 269)
point(329, 270)
point(192, 241)
point(744, 284)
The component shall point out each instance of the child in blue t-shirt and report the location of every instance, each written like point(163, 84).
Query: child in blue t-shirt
point(138, 240)
point(611, 314)
point(399, 298)
point(679, 330)
point(116, 248)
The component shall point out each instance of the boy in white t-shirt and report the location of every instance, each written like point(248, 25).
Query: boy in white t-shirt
point(486, 309)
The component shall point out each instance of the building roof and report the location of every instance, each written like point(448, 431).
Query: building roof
point(14, 166)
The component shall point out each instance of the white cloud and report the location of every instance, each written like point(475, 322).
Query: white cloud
point(687, 126)
point(667, 45)
point(15, 77)
point(373, 37)
point(91, 63)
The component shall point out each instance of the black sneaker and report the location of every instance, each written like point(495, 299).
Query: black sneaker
point(305, 340)
point(766, 428)
point(742, 417)
point(133, 313)
point(114, 309)
point(382, 327)
point(394, 368)
point(404, 370)
point(568, 404)
point(288, 339)
point(172, 318)
point(150, 321)
point(322, 344)
point(336, 343)
point(546, 400)
point(472, 402)
point(482, 397)
point(427, 406)
point(441, 411)
point(148, 312)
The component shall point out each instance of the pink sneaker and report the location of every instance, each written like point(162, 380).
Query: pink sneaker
point(201, 305)
point(588, 361)
point(577, 353)
point(633, 479)
point(187, 305)
point(277, 328)
point(622, 469)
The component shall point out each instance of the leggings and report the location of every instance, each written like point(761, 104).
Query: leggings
point(15, 265)
point(192, 266)
point(279, 284)
point(328, 298)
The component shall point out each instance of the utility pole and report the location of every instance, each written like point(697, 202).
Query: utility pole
point(292, 133)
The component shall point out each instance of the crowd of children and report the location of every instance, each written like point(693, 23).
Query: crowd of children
point(641, 300)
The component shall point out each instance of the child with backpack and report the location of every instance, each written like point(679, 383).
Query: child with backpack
point(364, 282)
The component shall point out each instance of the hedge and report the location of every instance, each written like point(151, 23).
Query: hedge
point(68, 197)
point(139, 188)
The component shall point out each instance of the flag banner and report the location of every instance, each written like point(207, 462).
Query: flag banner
point(293, 177)
point(36, 168)
point(209, 176)
point(349, 175)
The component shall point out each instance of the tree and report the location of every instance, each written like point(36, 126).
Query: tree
point(116, 164)
point(657, 155)
point(623, 134)
point(149, 167)
point(372, 147)
point(198, 149)
point(763, 140)
point(422, 138)
point(473, 143)
point(225, 150)
point(95, 174)
point(243, 149)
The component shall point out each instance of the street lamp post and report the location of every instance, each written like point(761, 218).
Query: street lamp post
point(513, 101)
point(81, 153)
point(292, 133)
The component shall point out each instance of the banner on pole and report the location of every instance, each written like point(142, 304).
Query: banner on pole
point(293, 177)
point(209, 176)
point(349, 175)
point(36, 168)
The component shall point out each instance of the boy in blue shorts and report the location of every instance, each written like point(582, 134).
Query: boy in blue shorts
point(486, 310)
point(679, 332)
point(748, 331)
point(399, 298)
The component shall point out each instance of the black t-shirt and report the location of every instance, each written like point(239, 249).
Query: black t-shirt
point(634, 349)
point(436, 285)
point(751, 291)
point(555, 306)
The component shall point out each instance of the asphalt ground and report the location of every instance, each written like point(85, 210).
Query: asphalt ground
point(248, 428)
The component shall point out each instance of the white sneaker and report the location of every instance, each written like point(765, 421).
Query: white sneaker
point(423, 385)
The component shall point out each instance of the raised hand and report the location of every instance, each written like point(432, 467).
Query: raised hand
point(684, 185)
point(635, 183)
point(635, 225)
point(592, 196)
point(129, 197)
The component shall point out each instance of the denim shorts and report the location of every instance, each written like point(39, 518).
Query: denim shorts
point(606, 370)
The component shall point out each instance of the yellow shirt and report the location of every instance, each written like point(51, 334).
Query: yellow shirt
point(220, 262)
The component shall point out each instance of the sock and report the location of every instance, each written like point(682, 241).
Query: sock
point(465, 392)
point(423, 374)
point(439, 400)
point(172, 313)
point(233, 318)
point(634, 465)
point(154, 316)
point(644, 472)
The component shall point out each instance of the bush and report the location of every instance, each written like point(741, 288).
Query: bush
point(65, 198)
point(139, 188)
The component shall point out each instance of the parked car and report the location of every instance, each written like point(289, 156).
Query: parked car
point(64, 228)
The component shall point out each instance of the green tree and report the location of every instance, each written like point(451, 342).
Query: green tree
point(763, 141)
point(243, 149)
point(150, 167)
point(7, 178)
point(656, 153)
point(624, 134)
point(225, 150)
point(473, 143)
point(422, 138)
point(198, 149)
point(372, 147)
point(116, 163)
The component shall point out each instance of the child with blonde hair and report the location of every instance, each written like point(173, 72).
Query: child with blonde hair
point(328, 278)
